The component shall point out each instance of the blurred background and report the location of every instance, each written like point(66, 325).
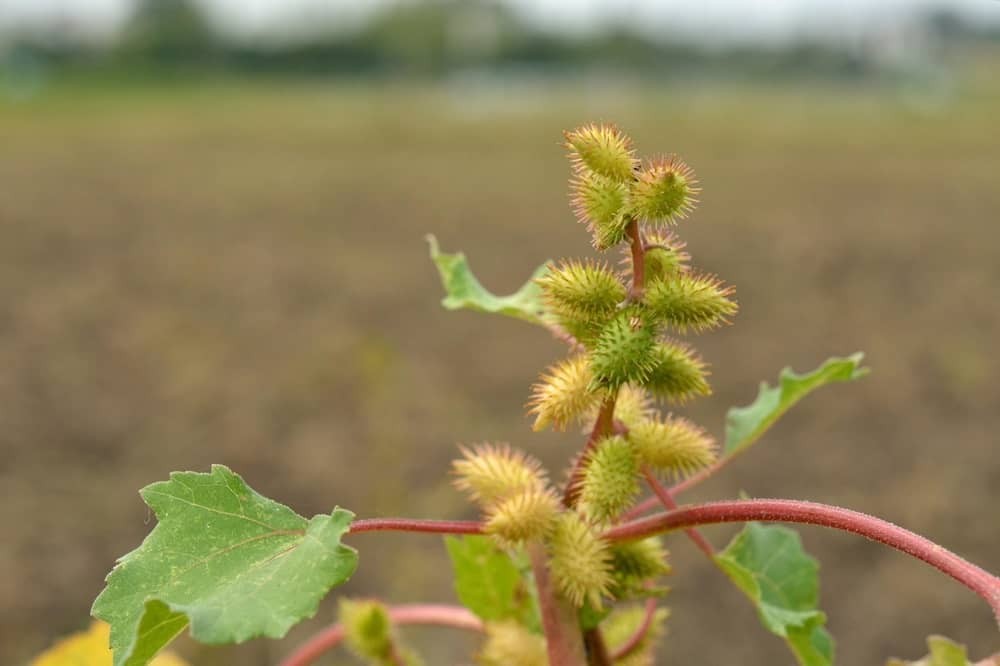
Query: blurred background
point(211, 250)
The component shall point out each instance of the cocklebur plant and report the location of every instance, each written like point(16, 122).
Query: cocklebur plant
point(558, 574)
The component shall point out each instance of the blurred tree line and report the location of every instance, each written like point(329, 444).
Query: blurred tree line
point(437, 38)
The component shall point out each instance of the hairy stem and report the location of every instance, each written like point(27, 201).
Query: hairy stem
point(434, 614)
point(603, 426)
point(650, 503)
point(562, 632)
point(666, 498)
point(416, 525)
point(635, 640)
point(973, 577)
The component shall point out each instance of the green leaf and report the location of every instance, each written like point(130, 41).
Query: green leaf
point(768, 564)
point(745, 425)
point(943, 652)
point(463, 290)
point(487, 582)
point(224, 559)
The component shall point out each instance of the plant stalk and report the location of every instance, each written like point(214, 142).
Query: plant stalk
point(434, 614)
point(559, 621)
point(650, 503)
point(665, 497)
point(416, 525)
point(973, 577)
point(635, 640)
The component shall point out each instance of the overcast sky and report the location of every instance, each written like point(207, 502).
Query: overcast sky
point(726, 20)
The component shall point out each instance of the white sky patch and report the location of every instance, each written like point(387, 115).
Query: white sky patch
point(719, 22)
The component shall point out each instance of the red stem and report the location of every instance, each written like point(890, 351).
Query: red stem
point(416, 525)
point(650, 503)
point(436, 614)
point(975, 578)
point(665, 498)
point(633, 642)
point(559, 620)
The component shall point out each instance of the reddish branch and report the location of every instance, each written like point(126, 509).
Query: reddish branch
point(635, 640)
point(416, 525)
point(651, 503)
point(562, 635)
point(434, 614)
point(666, 498)
point(976, 579)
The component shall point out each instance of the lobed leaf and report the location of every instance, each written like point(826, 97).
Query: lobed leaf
point(769, 565)
point(223, 559)
point(745, 425)
point(463, 289)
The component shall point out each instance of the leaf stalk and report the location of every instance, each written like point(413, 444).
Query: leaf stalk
point(434, 614)
point(973, 577)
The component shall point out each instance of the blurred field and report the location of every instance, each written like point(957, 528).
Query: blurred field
point(236, 273)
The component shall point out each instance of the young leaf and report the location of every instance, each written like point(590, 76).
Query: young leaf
point(463, 290)
point(367, 629)
point(224, 559)
point(90, 648)
point(944, 652)
point(769, 565)
point(487, 582)
point(745, 425)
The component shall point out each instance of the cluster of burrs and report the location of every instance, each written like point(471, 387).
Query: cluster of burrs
point(622, 362)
